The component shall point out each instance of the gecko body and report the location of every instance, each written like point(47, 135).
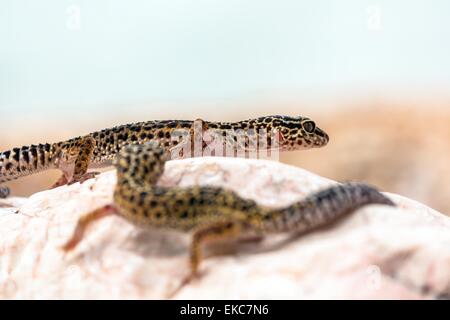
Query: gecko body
point(75, 156)
point(213, 213)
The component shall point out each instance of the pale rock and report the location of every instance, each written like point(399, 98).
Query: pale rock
point(378, 252)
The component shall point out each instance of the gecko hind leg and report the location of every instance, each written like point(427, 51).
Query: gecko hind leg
point(84, 222)
point(63, 180)
point(82, 161)
point(215, 232)
point(77, 172)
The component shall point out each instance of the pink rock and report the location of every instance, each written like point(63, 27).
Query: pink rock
point(378, 252)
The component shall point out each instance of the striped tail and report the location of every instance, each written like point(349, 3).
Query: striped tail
point(323, 207)
point(24, 161)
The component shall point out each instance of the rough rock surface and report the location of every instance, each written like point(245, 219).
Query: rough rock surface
point(378, 252)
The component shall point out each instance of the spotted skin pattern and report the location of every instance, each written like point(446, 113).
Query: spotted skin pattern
point(75, 156)
point(214, 213)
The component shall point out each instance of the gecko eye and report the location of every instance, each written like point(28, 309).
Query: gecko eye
point(309, 126)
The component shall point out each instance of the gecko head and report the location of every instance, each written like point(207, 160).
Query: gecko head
point(297, 133)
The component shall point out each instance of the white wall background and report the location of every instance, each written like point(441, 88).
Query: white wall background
point(89, 54)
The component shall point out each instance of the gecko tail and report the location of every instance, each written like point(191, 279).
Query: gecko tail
point(19, 162)
point(324, 207)
point(356, 195)
point(335, 202)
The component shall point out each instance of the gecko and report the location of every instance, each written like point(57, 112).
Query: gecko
point(213, 213)
point(74, 157)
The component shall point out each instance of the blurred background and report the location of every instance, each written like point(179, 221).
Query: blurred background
point(374, 74)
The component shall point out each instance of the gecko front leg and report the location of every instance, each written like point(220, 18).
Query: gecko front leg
point(84, 222)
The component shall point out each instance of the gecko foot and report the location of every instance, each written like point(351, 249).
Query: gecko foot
point(192, 276)
point(83, 223)
point(84, 177)
point(61, 182)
